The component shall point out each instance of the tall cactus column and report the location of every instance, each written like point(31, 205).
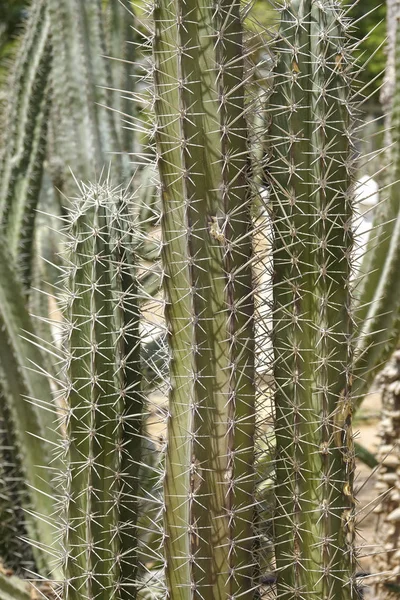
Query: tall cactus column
point(311, 197)
point(201, 138)
point(104, 403)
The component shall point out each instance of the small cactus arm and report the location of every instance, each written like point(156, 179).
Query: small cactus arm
point(378, 310)
point(23, 149)
point(104, 400)
point(311, 172)
point(201, 144)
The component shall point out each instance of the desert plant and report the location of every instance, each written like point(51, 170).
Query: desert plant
point(203, 160)
point(24, 139)
point(216, 468)
point(103, 394)
point(311, 175)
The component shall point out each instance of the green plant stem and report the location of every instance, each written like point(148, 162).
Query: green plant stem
point(203, 163)
point(311, 178)
point(104, 402)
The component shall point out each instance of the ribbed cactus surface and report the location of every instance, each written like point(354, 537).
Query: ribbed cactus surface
point(24, 139)
point(85, 133)
point(104, 401)
point(202, 151)
point(311, 205)
point(379, 285)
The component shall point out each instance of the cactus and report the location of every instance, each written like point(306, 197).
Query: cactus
point(23, 151)
point(203, 161)
point(85, 130)
point(14, 553)
point(311, 177)
point(29, 402)
point(123, 48)
point(379, 286)
point(104, 399)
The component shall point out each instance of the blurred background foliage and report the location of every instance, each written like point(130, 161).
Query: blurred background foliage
point(12, 14)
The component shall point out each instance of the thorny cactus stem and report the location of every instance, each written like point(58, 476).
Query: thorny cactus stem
point(104, 401)
point(201, 139)
point(311, 196)
point(24, 146)
point(379, 285)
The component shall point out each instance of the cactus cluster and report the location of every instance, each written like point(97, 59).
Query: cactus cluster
point(247, 350)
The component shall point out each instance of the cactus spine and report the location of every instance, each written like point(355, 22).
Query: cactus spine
point(201, 138)
point(311, 197)
point(104, 403)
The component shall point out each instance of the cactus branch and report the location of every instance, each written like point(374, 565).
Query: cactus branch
point(104, 401)
point(201, 136)
point(311, 196)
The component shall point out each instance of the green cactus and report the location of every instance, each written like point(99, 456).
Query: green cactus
point(104, 399)
point(85, 130)
point(203, 161)
point(379, 286)
point(123, 50)
point(28, 400)
point(14, 552)
point(311, 178)
point(23, 149)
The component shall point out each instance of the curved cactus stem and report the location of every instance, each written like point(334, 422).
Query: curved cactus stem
point(201, 137)
point(27, 393)
point(20, 225)
point(378, 308)
point(104, 400)
point(311, 207)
